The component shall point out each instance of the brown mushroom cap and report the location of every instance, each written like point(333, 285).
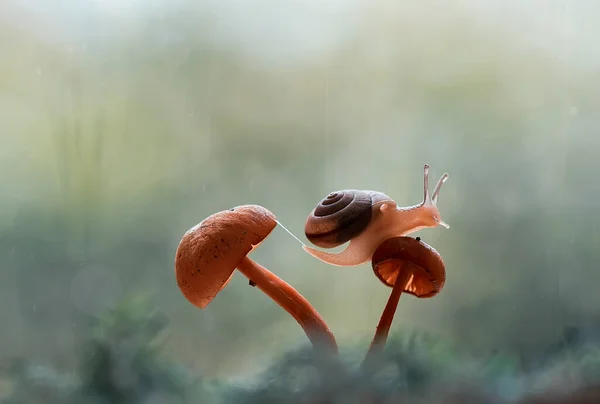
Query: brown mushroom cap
point(419, 257)
point(209, 252)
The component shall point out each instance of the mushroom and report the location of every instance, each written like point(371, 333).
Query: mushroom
point(406, 265)
point(209, 253)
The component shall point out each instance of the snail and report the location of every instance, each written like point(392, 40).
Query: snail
point(365, 219)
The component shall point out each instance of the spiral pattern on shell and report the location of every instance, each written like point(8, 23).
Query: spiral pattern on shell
point(338, 218)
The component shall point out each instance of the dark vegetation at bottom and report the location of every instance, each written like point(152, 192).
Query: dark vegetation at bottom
point(121, 363)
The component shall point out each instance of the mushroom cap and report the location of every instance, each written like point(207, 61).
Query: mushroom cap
point(415, 255)
point(209, 252)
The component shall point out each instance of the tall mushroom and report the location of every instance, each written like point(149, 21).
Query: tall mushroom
point(406, 265)
point(209, 253)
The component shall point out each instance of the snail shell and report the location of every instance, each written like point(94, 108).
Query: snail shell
point(341, 216)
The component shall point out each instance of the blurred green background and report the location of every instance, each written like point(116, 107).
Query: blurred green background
point(123, 124)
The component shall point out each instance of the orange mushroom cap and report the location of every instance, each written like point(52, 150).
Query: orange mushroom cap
point(209, 252)
point(426, 264)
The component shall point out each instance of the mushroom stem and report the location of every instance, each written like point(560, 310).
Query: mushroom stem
point(385, 322)
point(291, 301)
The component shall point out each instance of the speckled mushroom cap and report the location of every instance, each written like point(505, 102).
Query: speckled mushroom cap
point(209, 252)
point(415, 255)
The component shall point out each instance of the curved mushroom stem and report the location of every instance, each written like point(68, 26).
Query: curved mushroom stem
point(385, 322)
point(291, 301)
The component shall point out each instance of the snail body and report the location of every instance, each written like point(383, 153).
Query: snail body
point(365, 219)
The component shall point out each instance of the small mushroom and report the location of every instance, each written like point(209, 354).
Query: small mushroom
point(406, 265)
point(209, 253)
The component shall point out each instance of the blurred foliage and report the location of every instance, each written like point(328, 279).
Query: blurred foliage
point(121, 361)
point(422, 368)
